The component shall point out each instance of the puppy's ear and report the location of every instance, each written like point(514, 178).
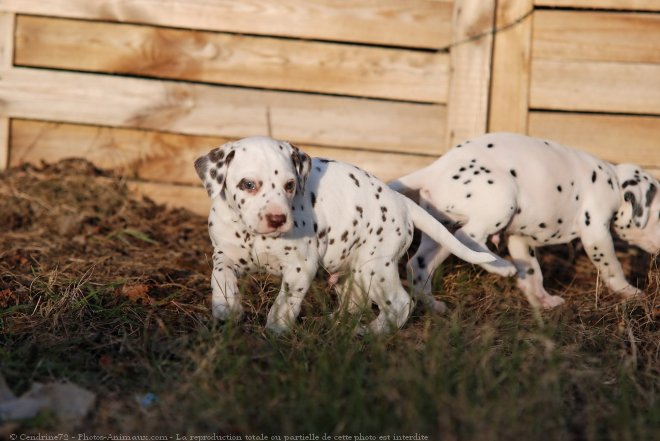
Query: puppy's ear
point(639, 190)
point(302, 163)
point(212, 168)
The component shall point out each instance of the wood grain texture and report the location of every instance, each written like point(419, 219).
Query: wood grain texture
point(164, 157)
point(597, 36)
point(7, 29)
point(595, 86)
point(615, 138)
point(232, 59)
point(197, 109)
point(145, 154)
point(632, 5)
point(411, 23)
point(386, 166)
point(4, 143)
point(7, 20)
point(470, 69)
point(509, 96)
point(193, 198)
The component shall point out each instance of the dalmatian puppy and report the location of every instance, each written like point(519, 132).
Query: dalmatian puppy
point(539, 193)
point(276, 209)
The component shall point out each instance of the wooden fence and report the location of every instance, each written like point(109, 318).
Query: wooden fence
point(145, 86)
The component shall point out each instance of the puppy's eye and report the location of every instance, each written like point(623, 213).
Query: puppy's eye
point(290, 186)
point(247, 185)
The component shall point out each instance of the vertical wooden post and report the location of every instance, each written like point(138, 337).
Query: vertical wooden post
point(4, 140)
point(509, 98)
point(470, 60)
point(6, 63)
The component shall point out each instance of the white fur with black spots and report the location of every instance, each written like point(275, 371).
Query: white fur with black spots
point(276, 209)
point(536, 192)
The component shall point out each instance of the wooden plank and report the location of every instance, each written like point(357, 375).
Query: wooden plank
point(6, 62)
point(470, 62)
point(509, 96)
point(194, 198)
point(631, 5)
point(595, 86)
point(232, 59)
point(7, 27)
point(615, 138)
point(597, 36)
point(197, 109)
point(385, 165)
point(164, 157)
point(4, 143)
point(144, 154)
point(413, 23)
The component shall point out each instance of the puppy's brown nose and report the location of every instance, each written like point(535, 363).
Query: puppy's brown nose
point(276, 220)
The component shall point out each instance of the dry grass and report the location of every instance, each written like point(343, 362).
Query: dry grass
point(112, 293)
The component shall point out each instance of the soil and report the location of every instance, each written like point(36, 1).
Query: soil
point(71, 222)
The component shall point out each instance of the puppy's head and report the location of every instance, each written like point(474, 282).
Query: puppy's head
point(258, 177)
point(637, 220)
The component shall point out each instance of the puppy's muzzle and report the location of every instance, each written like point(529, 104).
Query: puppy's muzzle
point(275, 220)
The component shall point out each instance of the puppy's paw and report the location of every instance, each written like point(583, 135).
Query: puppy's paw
point(538, 297)
point(277, 328)
point(630, 292)
point(361, 331)
point(225, 313)
point(437, 306)
point(550, 302)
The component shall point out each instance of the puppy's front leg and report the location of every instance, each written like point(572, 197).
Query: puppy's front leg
point(285, 309)
point(226, 299)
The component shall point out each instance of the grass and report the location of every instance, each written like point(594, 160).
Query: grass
point(499, 372)
point(127, 314)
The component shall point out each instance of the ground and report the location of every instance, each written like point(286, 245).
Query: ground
point(112, 292)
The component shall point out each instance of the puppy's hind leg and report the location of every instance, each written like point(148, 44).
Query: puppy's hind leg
point(430, 255)
point(420, 270)
point(474, 236)
point(598, 245)
point(530, 278)
point(351, 298)
point(394, 303)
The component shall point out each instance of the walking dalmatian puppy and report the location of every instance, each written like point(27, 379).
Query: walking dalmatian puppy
point(274, 208)
point(539, 193)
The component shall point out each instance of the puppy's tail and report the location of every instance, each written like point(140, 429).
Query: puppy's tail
point(409, 183)
point(436, 231)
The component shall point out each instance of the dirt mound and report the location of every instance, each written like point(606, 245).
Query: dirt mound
point(66, 221)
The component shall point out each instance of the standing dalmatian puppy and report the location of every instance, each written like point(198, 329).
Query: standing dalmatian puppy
point(538, 193)
point(274, 208)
